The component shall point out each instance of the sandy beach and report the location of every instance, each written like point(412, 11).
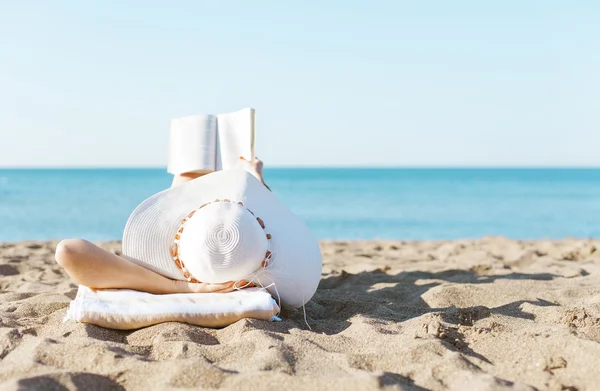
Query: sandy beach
point(487, 314)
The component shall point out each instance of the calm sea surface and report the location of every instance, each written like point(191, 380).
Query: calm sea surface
point(336, 203)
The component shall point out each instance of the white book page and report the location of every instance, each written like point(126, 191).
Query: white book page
point(193, 144)
point(235, 138)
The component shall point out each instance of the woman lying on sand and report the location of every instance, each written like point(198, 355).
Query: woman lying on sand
point(207, 233)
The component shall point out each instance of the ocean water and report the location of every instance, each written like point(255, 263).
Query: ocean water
point(336, 203)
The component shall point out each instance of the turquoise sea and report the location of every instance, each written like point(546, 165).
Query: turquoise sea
point(336, 203)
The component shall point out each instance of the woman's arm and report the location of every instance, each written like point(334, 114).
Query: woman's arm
point(97, 268)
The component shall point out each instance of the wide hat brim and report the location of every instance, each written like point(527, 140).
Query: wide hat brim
point(294, 270)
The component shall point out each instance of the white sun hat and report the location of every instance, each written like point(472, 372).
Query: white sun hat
point(226, 226)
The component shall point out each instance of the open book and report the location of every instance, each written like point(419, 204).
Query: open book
point(205, 143)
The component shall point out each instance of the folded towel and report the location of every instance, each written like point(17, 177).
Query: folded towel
point(128, 309)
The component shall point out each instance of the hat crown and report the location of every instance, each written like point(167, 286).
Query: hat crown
point(222, 241)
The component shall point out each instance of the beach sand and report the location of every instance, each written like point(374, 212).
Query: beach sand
point(488, 314)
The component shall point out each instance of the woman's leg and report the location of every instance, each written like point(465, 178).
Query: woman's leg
point(97, 268)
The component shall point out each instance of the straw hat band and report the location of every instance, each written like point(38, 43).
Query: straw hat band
point(226, 244)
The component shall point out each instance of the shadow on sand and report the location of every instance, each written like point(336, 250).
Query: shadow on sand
point(400, 300)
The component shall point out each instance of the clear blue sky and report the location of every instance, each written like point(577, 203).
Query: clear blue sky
point(392, 83)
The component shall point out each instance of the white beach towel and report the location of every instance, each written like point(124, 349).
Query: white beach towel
point(128, 309)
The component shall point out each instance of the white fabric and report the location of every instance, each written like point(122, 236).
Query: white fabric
point(129, 309)
point(294, 270)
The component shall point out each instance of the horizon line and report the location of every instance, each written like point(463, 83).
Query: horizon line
point(415, 167)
